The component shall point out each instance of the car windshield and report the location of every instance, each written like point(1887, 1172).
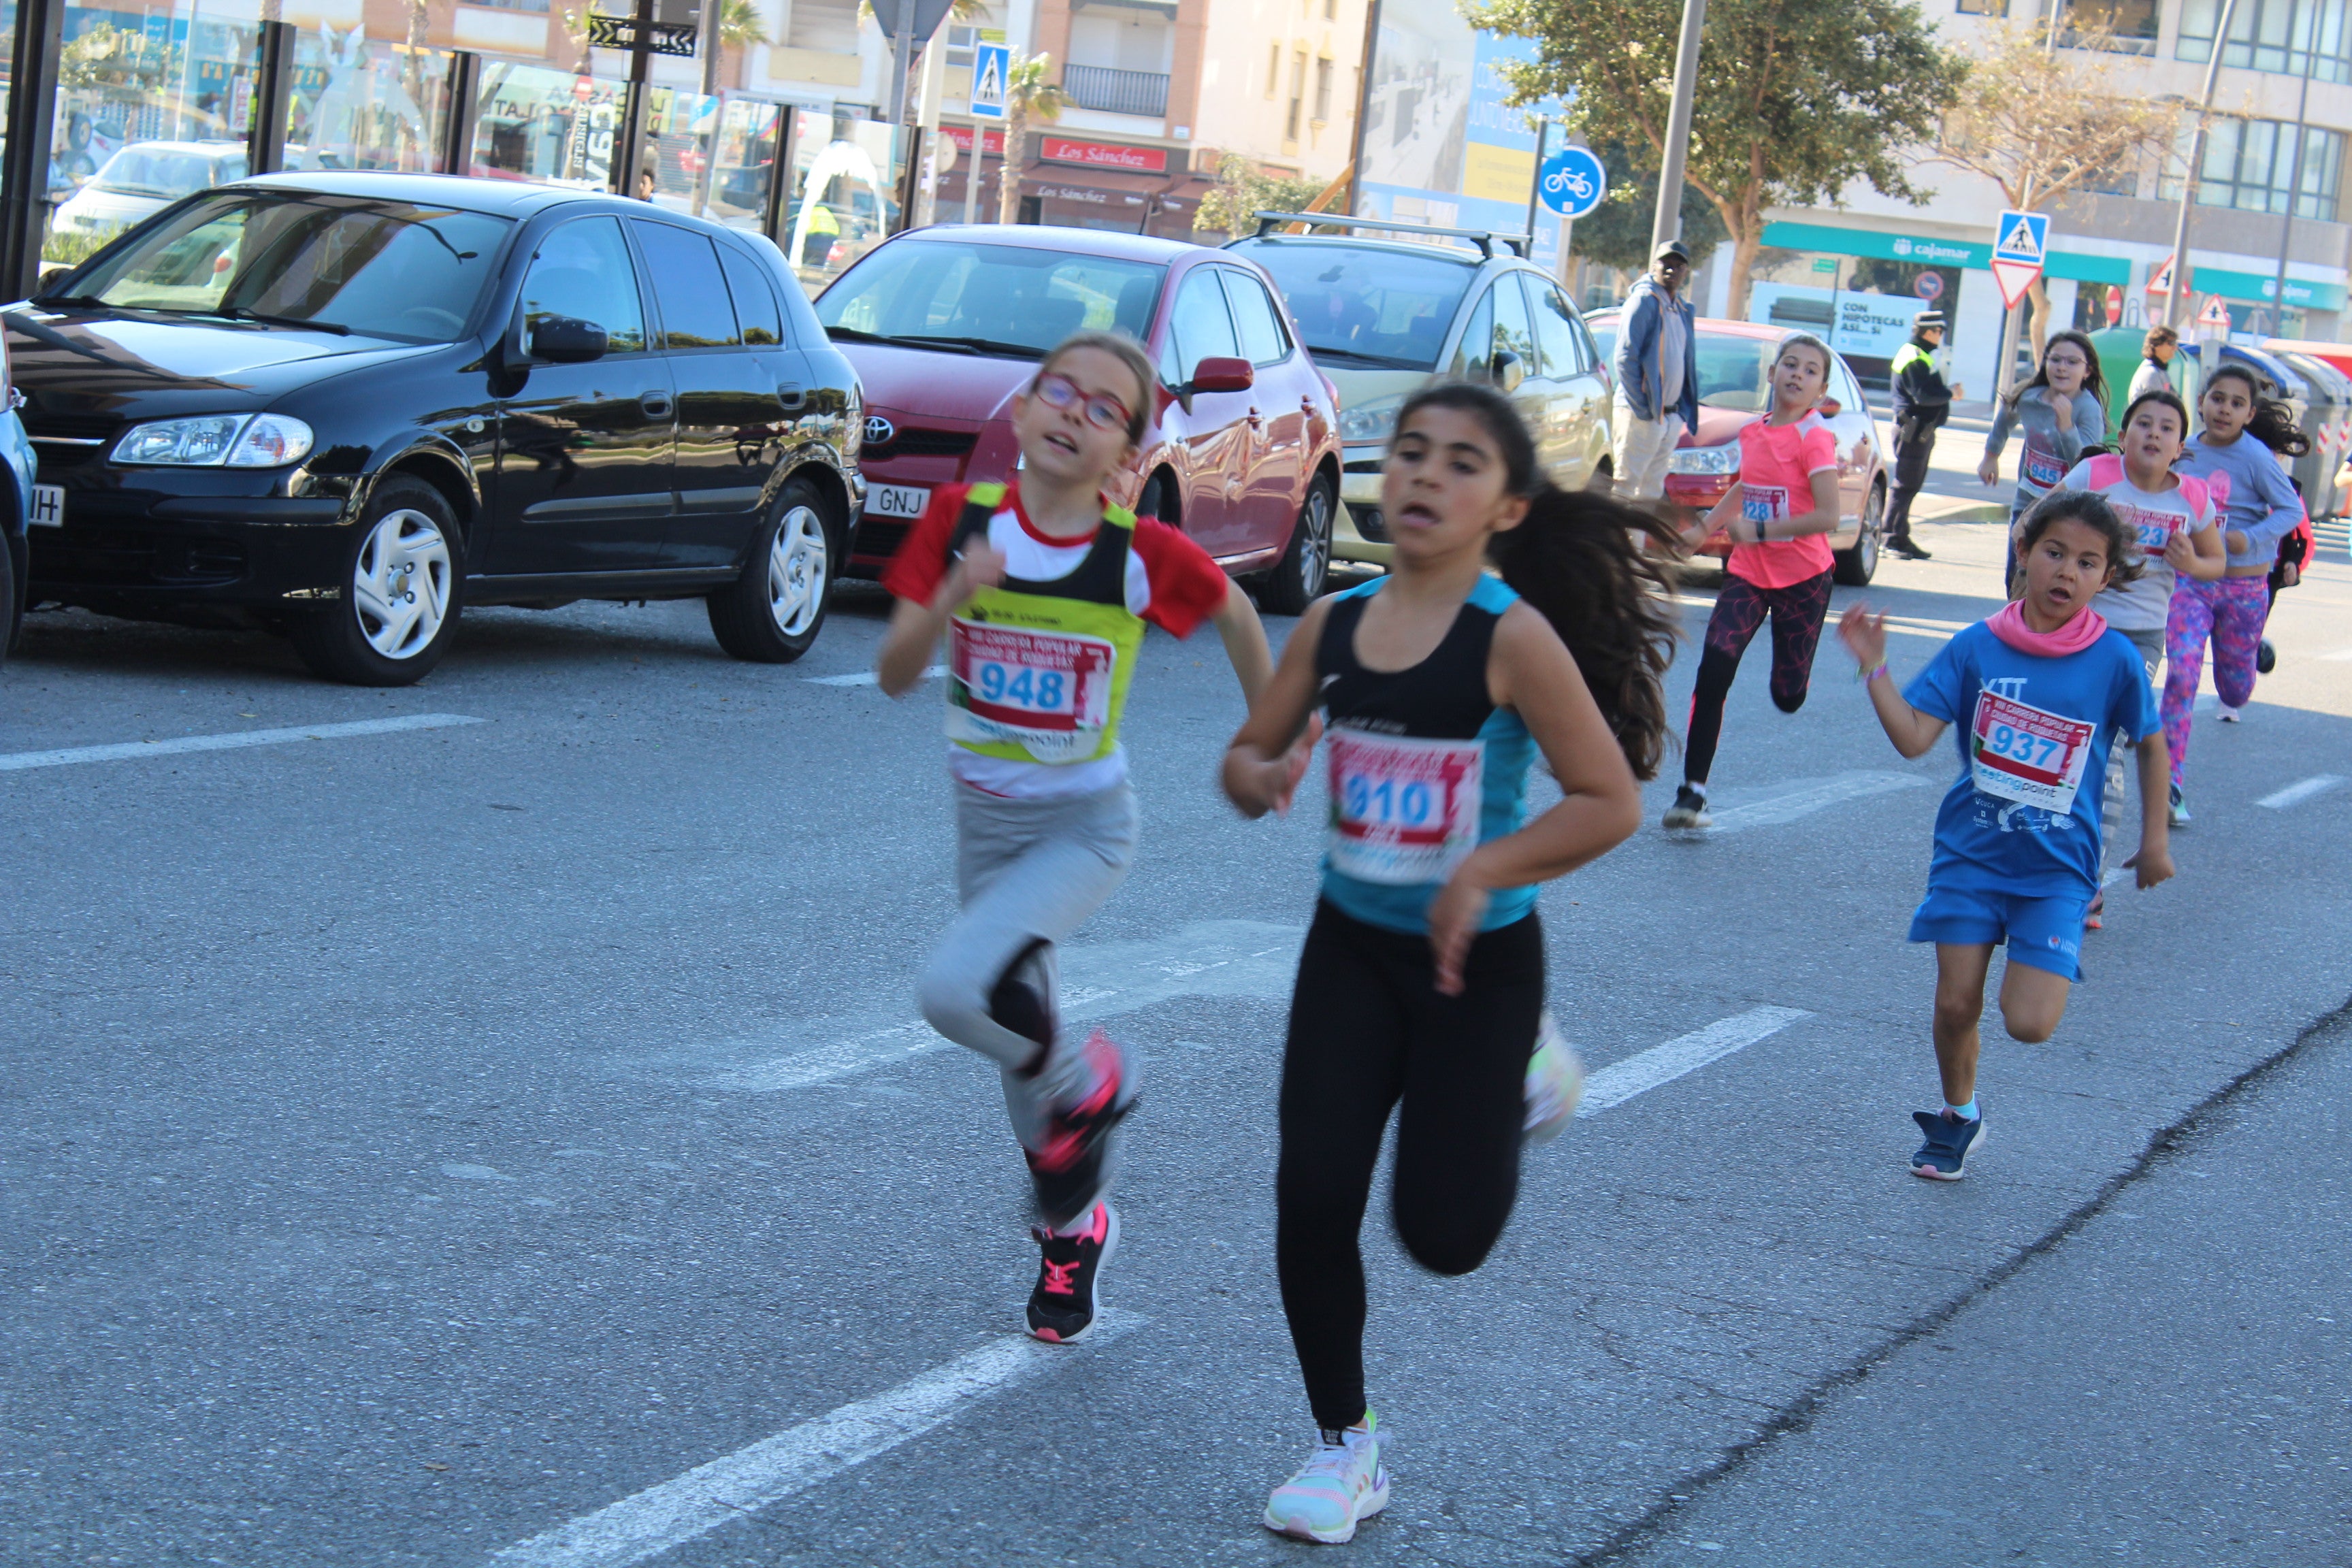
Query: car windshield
point(1006, 300)
point(1733, 372)
point(157, 172)
point(1371, 305)
point(377, 268)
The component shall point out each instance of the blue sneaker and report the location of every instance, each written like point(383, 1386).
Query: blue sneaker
point(1944, 1157)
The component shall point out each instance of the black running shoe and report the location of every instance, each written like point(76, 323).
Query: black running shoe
point(1688, 814)
point(2265, 658)
point(1068, 1168)
point(1944, 1157)
point(1069, 1268)
point(1909, 550)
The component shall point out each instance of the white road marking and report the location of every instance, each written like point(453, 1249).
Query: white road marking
point(1637, 1074)
point(868, 678)
point(2341, 656)
point(13, 761)
point(2297, 793)
point(1208, 958)
point(1809, 796)
point(750, 1479)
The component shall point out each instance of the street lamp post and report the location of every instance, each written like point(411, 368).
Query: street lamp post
point(2182, 273)
point(1668, 224)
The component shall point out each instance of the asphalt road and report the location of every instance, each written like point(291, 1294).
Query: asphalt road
point(421, 1142)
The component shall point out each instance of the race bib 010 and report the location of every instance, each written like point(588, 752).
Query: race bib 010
point(1403, 811)
point(1046, 692)
point(2020, 752)
point(1763, 503)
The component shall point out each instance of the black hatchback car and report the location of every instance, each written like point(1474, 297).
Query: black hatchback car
point(343, 405)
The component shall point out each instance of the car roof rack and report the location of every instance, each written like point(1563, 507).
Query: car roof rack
point(1486, 239)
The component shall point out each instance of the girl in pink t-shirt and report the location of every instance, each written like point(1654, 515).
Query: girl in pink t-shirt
point(1780, 516)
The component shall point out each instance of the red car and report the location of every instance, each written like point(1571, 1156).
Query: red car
point(944, 325)
point(1735, 389)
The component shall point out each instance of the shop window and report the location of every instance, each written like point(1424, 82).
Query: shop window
point(359, 103)
point(2288, 36)
point(549, 127)
point(844, 198)
point(712, 157)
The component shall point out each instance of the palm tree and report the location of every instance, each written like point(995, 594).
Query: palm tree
point(1027, 93)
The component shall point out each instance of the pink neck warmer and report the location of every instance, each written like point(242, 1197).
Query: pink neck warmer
point(2079, 633)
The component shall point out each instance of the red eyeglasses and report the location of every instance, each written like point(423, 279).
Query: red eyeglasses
point(1103, 411)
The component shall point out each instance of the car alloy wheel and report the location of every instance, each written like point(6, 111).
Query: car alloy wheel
point(1857, 566)
point(798, 566)
point(400, 584)
point(1297, 580)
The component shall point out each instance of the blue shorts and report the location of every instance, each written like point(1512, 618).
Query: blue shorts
point(2045, 933)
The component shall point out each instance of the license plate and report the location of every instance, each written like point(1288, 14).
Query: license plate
point(897, 500)
point(48, 506)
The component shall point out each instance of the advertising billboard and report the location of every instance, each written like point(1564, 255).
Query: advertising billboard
point(1438, 145)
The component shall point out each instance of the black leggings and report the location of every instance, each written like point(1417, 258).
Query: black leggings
point(1367, 1030)
point(1797, 612)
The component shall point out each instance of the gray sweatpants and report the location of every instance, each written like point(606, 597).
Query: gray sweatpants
point(1028, 873)
point(2150, 644)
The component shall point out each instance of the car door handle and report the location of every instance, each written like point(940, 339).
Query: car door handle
point(790, 394)
point(657, 405)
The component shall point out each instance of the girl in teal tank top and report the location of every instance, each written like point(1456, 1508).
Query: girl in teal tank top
point(1422, 978)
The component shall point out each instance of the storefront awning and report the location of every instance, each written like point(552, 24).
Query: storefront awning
point(1107, 190)
point(1930, 250)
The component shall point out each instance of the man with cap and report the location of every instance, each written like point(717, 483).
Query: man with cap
point(1657, 376)
point(1922, 404)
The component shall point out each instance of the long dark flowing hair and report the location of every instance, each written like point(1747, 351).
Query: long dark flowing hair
point(2095, 381)
point(2273, 422)
point(1577, 560)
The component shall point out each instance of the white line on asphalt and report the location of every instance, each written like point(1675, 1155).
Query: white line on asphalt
point(1207, 958)
point(2297, 793)
point(1621, 1081)
point(2341, 656)
point(1809, 796)
point(868, 678)
point(10, 763)
point(750, 1479)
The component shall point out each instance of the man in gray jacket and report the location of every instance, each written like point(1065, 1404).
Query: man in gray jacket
point(1657, 376)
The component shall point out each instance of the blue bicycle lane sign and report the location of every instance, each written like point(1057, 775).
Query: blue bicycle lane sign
point(1572, 182)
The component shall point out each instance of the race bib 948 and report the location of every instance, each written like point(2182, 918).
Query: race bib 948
point(1046, 692)
point(2020, 752)
point(1403, 811)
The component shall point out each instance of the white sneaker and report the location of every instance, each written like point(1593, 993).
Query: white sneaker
point(2229, 714)
point(1555, 1084)
point(1340, 1485)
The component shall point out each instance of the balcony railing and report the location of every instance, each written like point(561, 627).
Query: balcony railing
point(1116, 91)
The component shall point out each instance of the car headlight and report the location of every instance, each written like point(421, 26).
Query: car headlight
point(217, 441)
point(1704, 461)
point(1370, 421)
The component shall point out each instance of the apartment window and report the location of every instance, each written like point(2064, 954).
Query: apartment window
point(1330, 10)
point(2247, 167)
point(1323, 90)
point(1298, 95)
point(2284, 35)
point(2128, 26)
point(1273, 69)
point(1984, 7)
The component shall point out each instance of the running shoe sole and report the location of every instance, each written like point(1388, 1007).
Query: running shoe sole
point(1679, 820)
point(1373, 1501)
point(1054, 1337)
point(1933, 1175)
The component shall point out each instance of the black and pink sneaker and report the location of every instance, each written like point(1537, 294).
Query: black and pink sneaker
point(1068, 1169)
point(1069, 1272)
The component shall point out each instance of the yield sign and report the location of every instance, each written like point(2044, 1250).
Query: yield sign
point(2021, 245)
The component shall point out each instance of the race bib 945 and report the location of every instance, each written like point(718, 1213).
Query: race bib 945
point(2020, 752)
point(1403, 811)
point(1046, 692)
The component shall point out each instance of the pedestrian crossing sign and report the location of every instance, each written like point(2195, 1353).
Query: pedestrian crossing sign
point(989, 66)
point(2021, 245)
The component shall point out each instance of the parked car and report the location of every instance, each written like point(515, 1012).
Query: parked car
point(1382, 317)
point(1735, 368)
point(17, 510)
point(142, 179)
point(945, 325)
point(343, 404)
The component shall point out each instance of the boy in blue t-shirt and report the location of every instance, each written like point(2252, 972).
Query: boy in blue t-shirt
point(2039, 691)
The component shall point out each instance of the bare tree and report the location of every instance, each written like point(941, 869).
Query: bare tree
point(2044, 124)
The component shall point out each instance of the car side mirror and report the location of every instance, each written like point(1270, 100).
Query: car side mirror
point(1509, 370)
point(1828, 407)
point(51, 280)
point(1222, 374)
point(566, 340)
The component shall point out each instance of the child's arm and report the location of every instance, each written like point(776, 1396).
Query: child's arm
point(1865, 635)
point(1719, 515)
point(915, 628)
point(1267, 756)
point(1823, 518)
point(1245, 638)
point(2200, 555)
point(1531, 672)
point(2154, 861)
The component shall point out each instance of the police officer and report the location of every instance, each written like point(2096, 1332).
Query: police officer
point(1922, 402)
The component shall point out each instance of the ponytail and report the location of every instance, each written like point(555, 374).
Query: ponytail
point(1576, 559)
point(2272, 422)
